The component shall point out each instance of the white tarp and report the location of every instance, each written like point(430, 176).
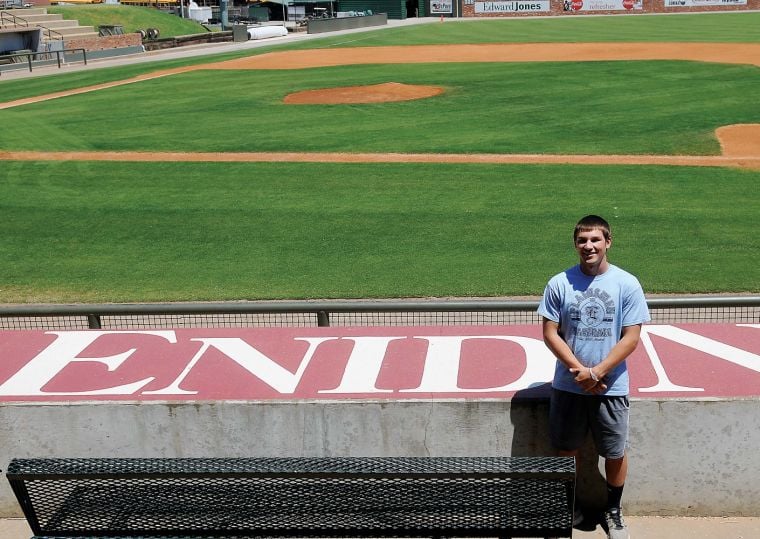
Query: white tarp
point(264, 32)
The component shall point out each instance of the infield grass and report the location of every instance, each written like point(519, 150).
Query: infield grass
point(93, 231)
point(664, 107)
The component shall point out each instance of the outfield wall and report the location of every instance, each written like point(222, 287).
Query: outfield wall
point(518, 8)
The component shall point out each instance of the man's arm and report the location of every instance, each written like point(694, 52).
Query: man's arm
point(558, 346)
point(583, 376)
point(629, 339)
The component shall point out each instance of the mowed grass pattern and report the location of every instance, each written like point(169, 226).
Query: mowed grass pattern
point(174, 231)
point(644, 107)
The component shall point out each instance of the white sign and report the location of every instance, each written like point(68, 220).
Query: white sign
point(516, 6)
point(438, 7)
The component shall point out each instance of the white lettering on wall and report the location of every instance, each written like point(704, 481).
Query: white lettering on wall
point(271, 373)
point(358, 369)
point(33, 376)
point(363, 366)
point(445, 354)
point(695, 341)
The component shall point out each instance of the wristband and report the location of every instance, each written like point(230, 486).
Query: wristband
point(593, 375)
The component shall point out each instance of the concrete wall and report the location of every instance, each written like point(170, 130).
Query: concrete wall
point(320, 26)
point(104, 42)
point(688, 457)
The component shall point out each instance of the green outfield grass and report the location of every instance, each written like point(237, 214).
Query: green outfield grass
point(175, 231)
point(715, 27)
point(98, 231)
point(595, 107)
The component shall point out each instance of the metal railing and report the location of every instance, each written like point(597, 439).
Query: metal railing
point(59, 54)
point(6, 17)
point(687, 309)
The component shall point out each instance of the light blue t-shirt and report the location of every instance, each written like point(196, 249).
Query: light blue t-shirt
point(591, 312)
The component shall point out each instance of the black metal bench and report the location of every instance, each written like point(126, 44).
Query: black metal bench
point(296, 497)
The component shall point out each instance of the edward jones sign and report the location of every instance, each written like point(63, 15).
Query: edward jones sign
point(512, 7)
point(453, 362)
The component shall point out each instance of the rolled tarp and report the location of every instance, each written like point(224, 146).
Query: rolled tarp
point(264, 32)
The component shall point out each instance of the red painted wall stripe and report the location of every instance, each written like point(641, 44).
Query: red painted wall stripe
point(398, 363)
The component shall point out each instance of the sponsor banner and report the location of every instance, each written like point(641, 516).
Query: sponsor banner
point(699, 3)
point(441, 7)
point(603, 5)
point(453, 362)
point(512, 7)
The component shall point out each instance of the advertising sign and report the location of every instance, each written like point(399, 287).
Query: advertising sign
point(515, 6)
point(603, 5)
point(389, 363)
point(441, 7)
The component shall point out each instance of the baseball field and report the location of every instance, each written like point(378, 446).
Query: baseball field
point(444, 159)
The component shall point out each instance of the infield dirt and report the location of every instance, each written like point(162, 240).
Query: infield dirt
point(740, 144)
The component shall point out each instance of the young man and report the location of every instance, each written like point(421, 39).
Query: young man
point(592, 315)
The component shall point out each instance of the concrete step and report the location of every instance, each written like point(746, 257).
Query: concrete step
point(38, 19)
point(58, 26)
point(23, 12)
point(73, 30)
point(55, 27)
point(54, 24)
point(62, 26)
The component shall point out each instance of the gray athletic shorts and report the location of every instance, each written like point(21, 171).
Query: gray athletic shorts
point(572, 415)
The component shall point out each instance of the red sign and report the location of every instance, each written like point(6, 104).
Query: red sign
point(628, 4)
point(577, 5)
point(459, 362)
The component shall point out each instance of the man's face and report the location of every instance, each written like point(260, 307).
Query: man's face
point(592, 247)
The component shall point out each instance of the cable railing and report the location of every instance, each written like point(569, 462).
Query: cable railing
point(343, 313)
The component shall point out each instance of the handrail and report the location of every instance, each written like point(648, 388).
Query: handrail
point(324, 308)
point(30, 55)
point(13, 19)
point(50, 32)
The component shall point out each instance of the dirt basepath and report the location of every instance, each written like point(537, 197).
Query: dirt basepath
point(740, 144)
point(336, 157)
point(726, 53)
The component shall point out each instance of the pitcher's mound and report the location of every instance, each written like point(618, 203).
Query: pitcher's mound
point(376, 93)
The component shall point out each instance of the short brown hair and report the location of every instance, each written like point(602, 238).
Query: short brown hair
point(590, 222)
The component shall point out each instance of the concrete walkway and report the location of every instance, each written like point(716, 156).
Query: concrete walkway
point(640, 528)
point(197, 50)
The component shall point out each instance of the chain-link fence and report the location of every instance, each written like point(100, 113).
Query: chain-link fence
point(671, 310)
